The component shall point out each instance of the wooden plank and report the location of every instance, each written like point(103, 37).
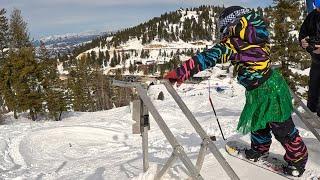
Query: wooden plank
point(202, 154)
point(136, 116)
point(168, 164)
point(145, 149)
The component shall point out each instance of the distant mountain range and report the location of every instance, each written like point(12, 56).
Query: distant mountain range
point(67, 42)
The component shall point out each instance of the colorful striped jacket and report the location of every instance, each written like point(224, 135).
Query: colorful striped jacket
point(247, 47)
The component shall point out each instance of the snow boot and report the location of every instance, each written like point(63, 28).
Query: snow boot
point(293, 170)
point(254, 155)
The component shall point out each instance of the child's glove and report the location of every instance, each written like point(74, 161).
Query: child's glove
point(172, 77)
point(184, 72)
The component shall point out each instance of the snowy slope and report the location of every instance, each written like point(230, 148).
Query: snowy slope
point(155, 46)
point(100, 145)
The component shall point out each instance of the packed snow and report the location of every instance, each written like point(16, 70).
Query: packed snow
point(100, 145)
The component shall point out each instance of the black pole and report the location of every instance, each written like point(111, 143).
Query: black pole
point(216, 117)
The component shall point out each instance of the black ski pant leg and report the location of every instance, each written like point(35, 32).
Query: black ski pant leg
point(287, 134)
point(314, 88)
point(261, 140)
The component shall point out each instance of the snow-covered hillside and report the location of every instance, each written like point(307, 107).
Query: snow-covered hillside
point(160, 45)
point(155, 50)
point(100, 145)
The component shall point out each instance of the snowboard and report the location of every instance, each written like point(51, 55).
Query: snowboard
point(272, 162)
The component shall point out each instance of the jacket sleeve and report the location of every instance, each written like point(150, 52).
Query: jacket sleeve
point(304, 29)
point(305, 32)
point(250, 28)
point(219, 53)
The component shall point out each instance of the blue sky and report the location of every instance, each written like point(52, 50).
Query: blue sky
point(48, 17)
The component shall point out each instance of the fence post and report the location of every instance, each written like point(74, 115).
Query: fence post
point(145, 127)
point(140, 114)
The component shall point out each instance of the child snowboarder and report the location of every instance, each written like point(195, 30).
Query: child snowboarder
point(245, 42)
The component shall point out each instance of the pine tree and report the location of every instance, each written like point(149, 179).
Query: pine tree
point(285, 46)
point(216, 32)
point(101, 58)
point(79, 85)
point(93, 58)
point(115, 58)
point(135, 67)
point(21, 88)
point(162, 69)
point(119, 59)
point(53, 90)
point(107, 58)
point(144, 39)
point(7, 92)
point(131, 70)
point(26, 82)
point(4, 35)
point(4, 44)
point(113, 62)
point(102, 91)
point(19, 36)
point(174, 62)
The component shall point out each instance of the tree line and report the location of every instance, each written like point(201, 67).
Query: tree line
point(30, 81)
point(170, 26)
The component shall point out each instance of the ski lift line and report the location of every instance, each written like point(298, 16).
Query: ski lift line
point(222, 161)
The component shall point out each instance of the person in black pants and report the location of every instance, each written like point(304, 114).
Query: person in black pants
point(311, 29)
